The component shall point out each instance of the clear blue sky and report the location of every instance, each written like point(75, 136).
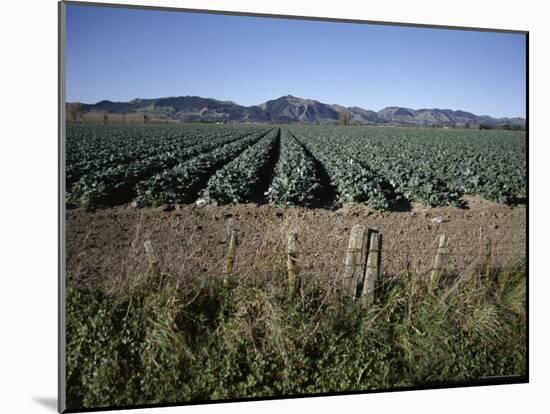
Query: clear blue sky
point(120, 54)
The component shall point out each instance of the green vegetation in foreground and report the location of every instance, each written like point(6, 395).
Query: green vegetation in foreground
point(140, 343)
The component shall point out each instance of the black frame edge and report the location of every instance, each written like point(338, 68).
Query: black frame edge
point(527, 206)
point(61, 362)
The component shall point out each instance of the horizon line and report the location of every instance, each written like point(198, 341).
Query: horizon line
point(298, 97)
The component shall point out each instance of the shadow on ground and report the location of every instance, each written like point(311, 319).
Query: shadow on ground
point(47, 402)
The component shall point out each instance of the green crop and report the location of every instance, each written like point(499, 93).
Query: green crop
point(151, 165)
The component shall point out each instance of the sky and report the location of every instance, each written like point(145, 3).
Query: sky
point(120, 54)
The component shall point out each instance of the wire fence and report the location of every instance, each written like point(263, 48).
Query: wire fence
point(366, 262)
point(392, 258)
point(202, 250)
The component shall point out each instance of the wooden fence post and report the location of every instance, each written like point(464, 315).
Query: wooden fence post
point(486, 264)
point(154, 268)
point(291, 259)
point(439, 262)
point(230, 258)
point(353, 268)
point(372, 271)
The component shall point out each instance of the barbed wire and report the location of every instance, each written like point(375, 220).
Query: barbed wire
point(342, 265)
point(462, 254)
point(321, 272)
point(401, 250)
point(426, 253)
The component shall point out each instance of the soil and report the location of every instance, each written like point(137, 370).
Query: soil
point(193, 240)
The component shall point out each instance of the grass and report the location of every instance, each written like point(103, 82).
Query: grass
point(145, 339)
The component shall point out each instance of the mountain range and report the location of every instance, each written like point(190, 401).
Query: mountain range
point(289, 109)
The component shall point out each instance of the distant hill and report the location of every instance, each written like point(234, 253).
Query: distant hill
point(289, 109)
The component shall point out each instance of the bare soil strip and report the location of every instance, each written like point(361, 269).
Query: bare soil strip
point(193, 240)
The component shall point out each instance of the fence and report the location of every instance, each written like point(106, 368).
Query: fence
point(363, 261)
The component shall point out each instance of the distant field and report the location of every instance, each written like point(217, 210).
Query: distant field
point(291, 165)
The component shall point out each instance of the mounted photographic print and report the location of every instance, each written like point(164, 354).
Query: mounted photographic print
point(257, 206)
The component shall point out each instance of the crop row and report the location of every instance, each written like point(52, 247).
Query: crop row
point(181, 183)
point(402, 170)
point(354, 182)
point(117, 183)
point(292, 165)
point(240, 180)
point(94, 148)
point(436, 167)
point(296, 180)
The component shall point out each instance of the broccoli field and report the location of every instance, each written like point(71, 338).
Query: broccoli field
point(154, 314)
point(291, 165)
